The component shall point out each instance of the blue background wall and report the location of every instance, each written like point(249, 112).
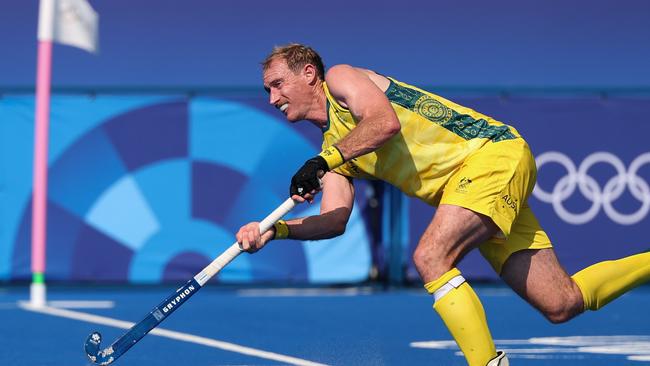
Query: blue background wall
point(455, 43)
point(553, 69)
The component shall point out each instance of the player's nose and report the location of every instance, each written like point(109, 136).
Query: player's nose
point(273, 98)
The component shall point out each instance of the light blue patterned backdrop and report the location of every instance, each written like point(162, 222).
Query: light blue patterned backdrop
point(151, 188)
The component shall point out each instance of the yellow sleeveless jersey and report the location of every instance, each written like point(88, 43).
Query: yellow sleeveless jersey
point(436, 136)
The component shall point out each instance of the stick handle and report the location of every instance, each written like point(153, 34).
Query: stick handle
point(231, 253)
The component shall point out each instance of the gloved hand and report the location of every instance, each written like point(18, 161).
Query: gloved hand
point(307, 178)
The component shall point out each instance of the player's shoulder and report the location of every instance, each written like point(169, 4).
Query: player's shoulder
point(341, 73)
point(345, 70)
point(342, 76)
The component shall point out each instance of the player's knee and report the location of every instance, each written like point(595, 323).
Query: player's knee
point(430, 263)
point(562, 309)
point(422, 257)
point(558, 315)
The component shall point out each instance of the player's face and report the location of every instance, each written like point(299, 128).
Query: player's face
point(288, 92)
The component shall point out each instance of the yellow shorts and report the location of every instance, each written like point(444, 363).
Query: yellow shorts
point(496, 181)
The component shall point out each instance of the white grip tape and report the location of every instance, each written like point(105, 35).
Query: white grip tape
point(231, 253)
point(450, 285)
point(276, 215)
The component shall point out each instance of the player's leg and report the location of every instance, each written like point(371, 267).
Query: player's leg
point(481, 199)
point(537, 276)
point(453, 232)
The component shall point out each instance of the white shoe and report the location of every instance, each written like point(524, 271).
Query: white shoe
point(499, 360)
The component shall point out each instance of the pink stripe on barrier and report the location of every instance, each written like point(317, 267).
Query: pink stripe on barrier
point(39, 199)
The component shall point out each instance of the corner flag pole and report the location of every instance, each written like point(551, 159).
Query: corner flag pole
point(41, 137)
point(74, 23)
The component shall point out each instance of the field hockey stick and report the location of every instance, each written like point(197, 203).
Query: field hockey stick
point(173, 302)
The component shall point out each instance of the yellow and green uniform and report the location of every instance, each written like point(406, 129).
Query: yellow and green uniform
point(449, 154)
point(436, 137)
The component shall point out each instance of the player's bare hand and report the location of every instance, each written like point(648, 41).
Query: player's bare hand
point(250, 239)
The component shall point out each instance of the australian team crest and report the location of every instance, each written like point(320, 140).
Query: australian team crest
point(432, 109)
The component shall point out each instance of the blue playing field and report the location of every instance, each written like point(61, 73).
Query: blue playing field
point(280, 326)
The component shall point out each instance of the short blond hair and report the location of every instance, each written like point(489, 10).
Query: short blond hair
point(296, 56)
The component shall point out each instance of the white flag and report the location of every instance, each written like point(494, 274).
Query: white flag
point(70, 22)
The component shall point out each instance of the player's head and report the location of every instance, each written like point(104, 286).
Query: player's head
point(292, 74)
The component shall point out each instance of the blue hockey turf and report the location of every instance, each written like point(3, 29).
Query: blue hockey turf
point(347, 326)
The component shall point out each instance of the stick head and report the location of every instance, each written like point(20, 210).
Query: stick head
point(92, 347)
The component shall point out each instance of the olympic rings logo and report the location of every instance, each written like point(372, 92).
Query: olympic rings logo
point(591, 190)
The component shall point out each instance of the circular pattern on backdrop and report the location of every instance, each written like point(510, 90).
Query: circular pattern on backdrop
point(155, 193)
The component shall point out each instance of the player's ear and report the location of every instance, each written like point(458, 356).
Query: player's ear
point(309, 72)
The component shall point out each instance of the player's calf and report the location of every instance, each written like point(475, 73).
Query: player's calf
point(463, 314)
point(603, 282)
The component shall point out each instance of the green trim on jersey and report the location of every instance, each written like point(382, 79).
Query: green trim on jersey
point(462, 125)
point(324, 129)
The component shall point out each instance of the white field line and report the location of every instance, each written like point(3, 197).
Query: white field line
point(81, 304)
point(226, 346)
point(304, 292)
point(635, 348)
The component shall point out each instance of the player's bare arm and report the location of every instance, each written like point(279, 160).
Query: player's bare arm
point(335, 210)
point(358, 90)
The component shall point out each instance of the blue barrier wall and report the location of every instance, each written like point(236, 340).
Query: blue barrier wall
point(594, 43)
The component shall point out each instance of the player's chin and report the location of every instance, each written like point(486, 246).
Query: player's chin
point(292, 118)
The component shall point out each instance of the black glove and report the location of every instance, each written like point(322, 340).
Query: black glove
point(306, 178)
